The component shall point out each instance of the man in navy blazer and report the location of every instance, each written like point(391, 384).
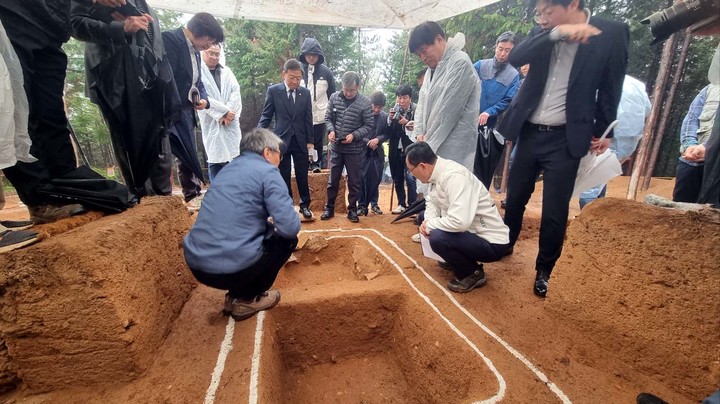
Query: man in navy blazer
point(568, 99)
point(183, 46)
point(291, 106)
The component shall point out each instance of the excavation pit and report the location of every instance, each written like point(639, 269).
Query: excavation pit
point(340, 335)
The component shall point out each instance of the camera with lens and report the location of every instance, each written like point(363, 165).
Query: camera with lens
point(681, 15)
point(399, 112)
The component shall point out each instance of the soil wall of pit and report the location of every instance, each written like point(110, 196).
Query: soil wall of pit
point(92, 305)
point(644, 282)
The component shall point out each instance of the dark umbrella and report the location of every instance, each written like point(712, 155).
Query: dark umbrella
point(134, 90)
point(487, 156)
point(413, 209)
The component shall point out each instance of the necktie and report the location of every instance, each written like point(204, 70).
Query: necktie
point(291, 98)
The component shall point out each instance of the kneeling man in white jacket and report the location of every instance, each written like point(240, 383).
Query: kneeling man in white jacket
point(461, 220)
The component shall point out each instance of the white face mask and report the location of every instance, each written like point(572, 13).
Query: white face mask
point(714, 71)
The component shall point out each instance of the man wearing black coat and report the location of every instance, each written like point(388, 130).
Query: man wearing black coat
point(183, 46)
point(568, 99)
point(291, 106)
point(147, 114)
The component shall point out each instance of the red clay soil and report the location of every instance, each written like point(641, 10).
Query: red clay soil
point(633, 306)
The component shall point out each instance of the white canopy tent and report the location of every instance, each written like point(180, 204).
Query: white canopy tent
point(399, 14)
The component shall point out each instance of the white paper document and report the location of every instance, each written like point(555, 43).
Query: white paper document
point(427, 250)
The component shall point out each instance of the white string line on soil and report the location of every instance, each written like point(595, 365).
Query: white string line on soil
point(225, 348)
point(552, 386)
point(255, 369)
point(501, 381)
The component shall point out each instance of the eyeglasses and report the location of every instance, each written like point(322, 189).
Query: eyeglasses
point(413, 169)
point(544, 14)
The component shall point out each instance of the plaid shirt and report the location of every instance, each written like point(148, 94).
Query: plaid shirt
point(690, 125)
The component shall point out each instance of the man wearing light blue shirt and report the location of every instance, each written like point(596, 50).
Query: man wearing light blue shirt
point(233, 246)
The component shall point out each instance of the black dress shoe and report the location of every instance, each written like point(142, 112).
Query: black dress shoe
point(509, 251)
point(541, 282)
point(353, 216)
point(503, 203)
point(307, 214)
point(327, 214)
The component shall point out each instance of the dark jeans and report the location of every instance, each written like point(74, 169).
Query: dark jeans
point(44, 75)
point(370, 177)
point(710, 190)
point(299, 156)
point(214, 169)
point(250, 282)
point(688, 180)
point(464, 250)
point(317, 140)
point(351, 162)
point(546, 152)
point(401, 176)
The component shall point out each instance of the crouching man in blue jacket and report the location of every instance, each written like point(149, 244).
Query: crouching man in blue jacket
point(233, 245)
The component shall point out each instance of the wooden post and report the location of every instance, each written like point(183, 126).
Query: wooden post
point(667, 108)
point(657, 100)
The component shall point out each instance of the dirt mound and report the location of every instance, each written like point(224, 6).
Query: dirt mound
point(91, 305)
point(317, 182)
point(633, 279)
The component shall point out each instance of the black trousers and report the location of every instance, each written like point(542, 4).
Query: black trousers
point(401, 176)
point(318, 140)
point(299, 155)
point(710, 190)
point(351, 162)
point(44, 75)
point(464, 250)
point(256, 279)
point(370, 177)
point(688, 180)
point(546, 152)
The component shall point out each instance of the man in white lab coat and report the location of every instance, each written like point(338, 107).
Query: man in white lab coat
point(220, 123)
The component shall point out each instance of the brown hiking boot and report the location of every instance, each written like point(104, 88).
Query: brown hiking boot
point(243, 309)
point(50, 213)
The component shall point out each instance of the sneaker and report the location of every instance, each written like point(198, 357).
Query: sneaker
point(242, 309)
point(362, 211)
point(193, 205)
point(470, 282)
point(376, 210)
point(316, 169)
point(400, 209)
point(16, 224)
point(12, 240)
point(444, 265)
point(416, 237)
point(50, 213)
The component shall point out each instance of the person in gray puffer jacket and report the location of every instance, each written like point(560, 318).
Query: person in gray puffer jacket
point(321, 82)
point(348, 119)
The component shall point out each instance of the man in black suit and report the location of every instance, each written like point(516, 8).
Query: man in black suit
point(149, 114)
point(291, 106)
point(183, 46)
point(567, 101)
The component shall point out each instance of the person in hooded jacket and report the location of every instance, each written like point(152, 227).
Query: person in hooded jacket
point(321, 83)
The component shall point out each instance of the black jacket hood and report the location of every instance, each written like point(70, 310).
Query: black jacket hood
point(311, 46)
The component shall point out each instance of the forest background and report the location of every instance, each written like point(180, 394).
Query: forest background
point(256, 50)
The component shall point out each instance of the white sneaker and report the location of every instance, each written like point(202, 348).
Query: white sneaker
point(400, 209)
point(416, 237)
